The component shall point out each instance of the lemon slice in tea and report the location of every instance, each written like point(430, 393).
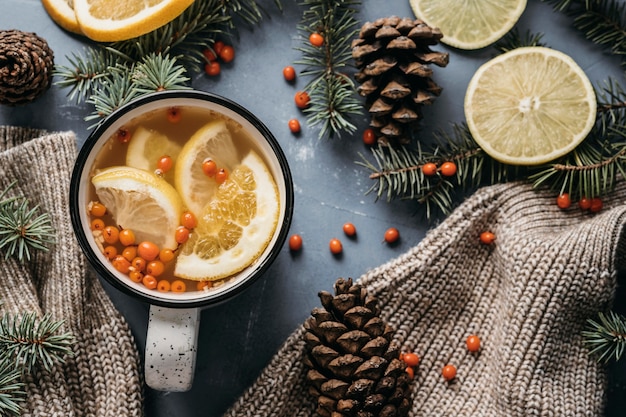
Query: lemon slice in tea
point(212, 141)
point(470, 24)
point(147, 146)
point(529, 106)
point(142, 202)
point(235, 227)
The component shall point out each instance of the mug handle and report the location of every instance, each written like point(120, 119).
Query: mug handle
point(171, 346)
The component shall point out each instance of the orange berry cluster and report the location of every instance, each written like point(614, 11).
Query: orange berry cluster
point(210, 169)
point(144, 262)
point(448, 372)
point(221, 51)
point(594, 205)
point(391, 236)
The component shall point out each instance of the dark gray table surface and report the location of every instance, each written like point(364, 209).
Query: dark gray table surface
point(238, 338)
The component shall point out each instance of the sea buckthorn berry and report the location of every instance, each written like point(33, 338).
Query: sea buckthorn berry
point(155, 268)
point(392, 235)
point(217, 46)
point(181, 234)
point(349, 229)
point(410, 372)
point(97, 224)
point(189, 220)
point(121, 264)
point(226, 53)
point(123, 135)
point(596, 205)
point(203, 285)
point(289, 73)
point(163, 285)
point(487, 238)
point(221, 175)
point(316, 39)
point(139, 263)
point(335, 246)
point(166, 255)
point(369, 136)
point(209, 167)
point(148, 250)
point(563, 201)
point(294, 125)
point(135, 276)
point(127, 237)
point(110, 252)
point(584, 203)
point(449, 372)
point(174, 114)
point(97, 209)
point(302, 99)
point(165, 163)
point(178, 286)
point(448, 169)
point(473, 343)
point(295, 242)
point(411, 359)
point(130, 252)
point(429, 169)
point(149, 282)
point(212, 68)
point(110, 234)
point(209, 54)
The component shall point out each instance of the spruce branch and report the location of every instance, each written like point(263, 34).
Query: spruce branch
point(11, 388)
point(513, 40)
point(333, 93)
point(606, 337)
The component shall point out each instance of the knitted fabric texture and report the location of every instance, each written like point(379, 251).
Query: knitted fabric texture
point(528, 296)
point(102, 377)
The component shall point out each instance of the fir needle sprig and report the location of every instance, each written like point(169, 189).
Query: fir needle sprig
point(606, 336)
point(11, 388)
point(333, 95)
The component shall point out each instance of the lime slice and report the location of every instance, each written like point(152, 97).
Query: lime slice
point(530, 106)
point(145, 149)
point(142, 202)
point(235, 227)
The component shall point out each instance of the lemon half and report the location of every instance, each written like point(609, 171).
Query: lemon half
point(530, 106)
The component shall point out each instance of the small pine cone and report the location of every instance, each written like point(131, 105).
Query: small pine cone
point(26, 64)
point(353, 365)
point(393, 56)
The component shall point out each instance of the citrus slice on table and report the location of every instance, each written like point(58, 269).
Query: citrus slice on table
point(147, 146)
point(118, 20)
point(212, 141)
point(62, 12)
point(142, 202)
point(529, 106)
point(235, 227)
point(470, 24)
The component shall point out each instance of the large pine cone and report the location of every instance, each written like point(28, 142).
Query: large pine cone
point(394, 57)
point(26, 65)
point(354, 366)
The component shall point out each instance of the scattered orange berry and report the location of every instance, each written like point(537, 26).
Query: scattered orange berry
point(226, 53)
point(563, 201)
point(97, 209)
point(212, 68)
point(429, 169)
point(163, 285)
point(221, 175)
point(411, 359)
point(410, 372)
point(295, 242)
point(135, 276)
point(449, 372)
point(127, 237)
point(123, 135)
point(596, 205)
point(335, 246)
point(487, 238)
point(473, 343)
point(218, 46)
point(302, 99)
point(181, 234)
point(189, 220)
point(97, 224)
point(178, 286)
point(139, 263)
point(148, 250)
point(349, 229)
point(369, 136)
point(149, 282)
point(209, 167)
point(209, 54)
point(174, 114)
point(166, 255)
point(110, 234)
point(165, 163)
point(121, 264)
point(584, 203)
point(448, 169)
point(110, 252)
point(289, 73)
point(155, 268)
point(130, 252)
point(316, 39)
point(392, 235)
point(294, 125)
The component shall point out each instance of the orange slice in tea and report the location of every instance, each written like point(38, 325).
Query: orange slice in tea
point(147, 146)
point(235, 227)
point(212, 141)
point(142, 202)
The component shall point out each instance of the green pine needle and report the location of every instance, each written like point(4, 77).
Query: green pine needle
point(11, 388)
point(606, 337)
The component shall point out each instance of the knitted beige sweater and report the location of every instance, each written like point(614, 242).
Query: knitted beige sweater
point(102, 379)
point(528, 297)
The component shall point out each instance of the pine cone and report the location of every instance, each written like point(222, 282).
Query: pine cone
point(26, 64)
point(354, 366)
point(394, 57)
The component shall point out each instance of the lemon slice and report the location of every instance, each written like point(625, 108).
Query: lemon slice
point(212, 141)
point(147, 146)
point(62, 12)
point(529, 106)
point(118, 20)
point(470, 24)
point(142, 202)
point(235, 227)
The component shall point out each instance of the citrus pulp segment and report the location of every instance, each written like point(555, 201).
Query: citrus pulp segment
point(212, 141)
point(142, 202)
point(147, 146)
point(470, 24)
point(118, 20)
point(62, 12)
point(529, 106)
point(235, 227)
